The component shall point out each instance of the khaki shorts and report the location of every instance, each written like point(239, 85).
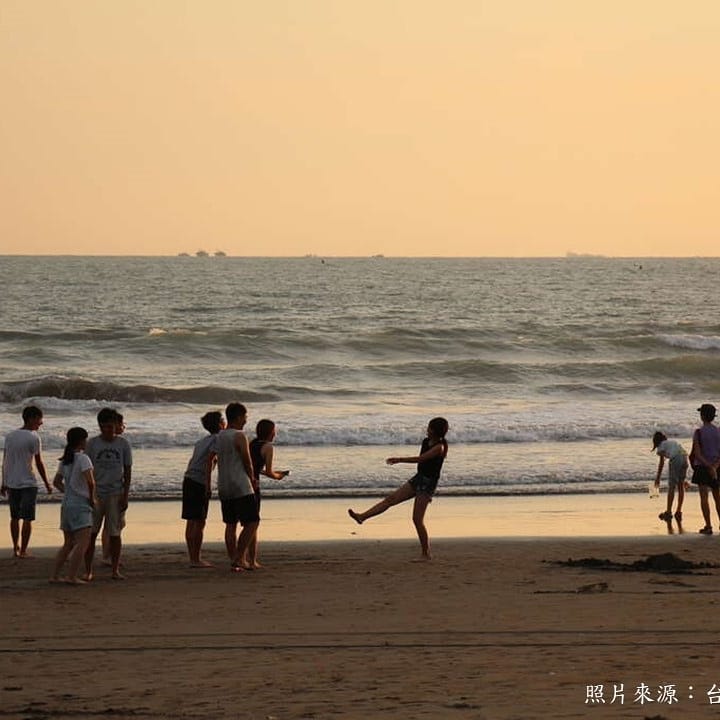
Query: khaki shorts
point(108, 509)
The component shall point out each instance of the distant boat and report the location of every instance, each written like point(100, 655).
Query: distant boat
point(201, 253)
point(220, 253)
point(379, 255)
point(183, 255)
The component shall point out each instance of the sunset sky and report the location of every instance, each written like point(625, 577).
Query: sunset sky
point(355, 127)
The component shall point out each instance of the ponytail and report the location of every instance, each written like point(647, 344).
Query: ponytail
point(75, 436)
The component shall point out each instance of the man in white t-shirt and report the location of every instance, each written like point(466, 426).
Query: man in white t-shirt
point(19, 483)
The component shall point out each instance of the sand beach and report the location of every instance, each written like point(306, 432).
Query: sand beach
point(493, 627)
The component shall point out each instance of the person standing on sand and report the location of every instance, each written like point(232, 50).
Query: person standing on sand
point(235, 490)
point(105, 537)
point(261, 454)
point(705, 459)
point(421, 486)
point(75, 479)
point(197, 490)
point(673, 451)
point(19, 483)
point(111, 457)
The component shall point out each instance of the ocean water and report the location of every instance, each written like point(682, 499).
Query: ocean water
point(553, 373)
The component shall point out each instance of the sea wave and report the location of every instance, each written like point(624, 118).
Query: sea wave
point(692, 342)
point(73, 388)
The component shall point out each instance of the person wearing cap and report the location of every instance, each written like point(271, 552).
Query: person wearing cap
point(673, 451)
point(705, 459)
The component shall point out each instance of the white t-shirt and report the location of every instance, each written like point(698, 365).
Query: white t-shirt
point(21, 446)
point(75, 484)
point(671, 449)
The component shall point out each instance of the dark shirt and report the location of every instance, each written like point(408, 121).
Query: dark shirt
point(257, 458)
point(431, 468)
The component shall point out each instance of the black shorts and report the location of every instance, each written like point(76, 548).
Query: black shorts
point(423, 485)
point(22, 503)
point(701, 476)
point(195, 501)
point(242, 510)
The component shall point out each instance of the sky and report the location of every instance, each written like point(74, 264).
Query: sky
point(359, 127)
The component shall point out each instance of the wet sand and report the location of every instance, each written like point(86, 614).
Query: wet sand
point(356, 627)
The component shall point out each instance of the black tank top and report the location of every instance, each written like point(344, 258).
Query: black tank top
point(256, 456)
point(431, 468)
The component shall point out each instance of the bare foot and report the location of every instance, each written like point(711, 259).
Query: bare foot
point(201, 564)
point(16, 551)
point(76, 581)
point(255, 565)
point(118, 576)
point(25, 555)
point(56, 580)
point(87, 577)
point(355, 516)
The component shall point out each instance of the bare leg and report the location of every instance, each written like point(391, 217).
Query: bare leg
point(404, 492)
point(704, 505)
point(243, 542)
point(420, 506)
point(716, 498)
point(25, 532)
point(670, 498)
point(231, 540)
point(81, 539)
point(194, 531)
point(251, 554)
point(681, 496)
point(105, 541)
point(62, 556)
point(15, 535)
point(115, 544)
point(89, 556)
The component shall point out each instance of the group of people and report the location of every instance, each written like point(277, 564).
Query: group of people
point(704, 459)
point(94, 475)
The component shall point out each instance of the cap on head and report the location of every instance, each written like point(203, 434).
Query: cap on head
point(707, 411)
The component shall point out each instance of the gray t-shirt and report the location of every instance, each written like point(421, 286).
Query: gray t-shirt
point(233, 480)
point(197, 467)
point(109, 460)
point(21, 447)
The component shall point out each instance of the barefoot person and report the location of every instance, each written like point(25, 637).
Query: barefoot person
point(421, 486)
point(196, 490)
point(674, 452)
point(111, 457)
point(19, 483)
point(105, 537)
point(235, 490)
point(262, 453)
point(705, 459)
point(75, 479)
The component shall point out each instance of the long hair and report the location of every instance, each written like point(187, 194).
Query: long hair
point(74, 437)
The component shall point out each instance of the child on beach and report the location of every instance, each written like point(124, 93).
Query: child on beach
point(673, 451)
point(196, 489)
point(75, 479)
point(22, 448)
point(106, 556)
point(261, 453)
point(111, 457)
point(234, 482)
point(705, 457)
point(421, 486)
